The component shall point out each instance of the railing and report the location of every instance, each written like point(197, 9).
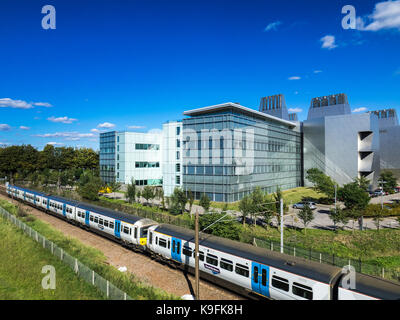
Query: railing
point(327, 258)
point(81, 270)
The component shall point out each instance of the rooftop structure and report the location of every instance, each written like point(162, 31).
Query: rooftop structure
point(332, 105)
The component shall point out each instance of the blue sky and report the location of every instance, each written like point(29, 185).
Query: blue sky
point(132, 65)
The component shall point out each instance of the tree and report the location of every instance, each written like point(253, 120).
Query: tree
point(178, 199)
point(339, 216)
point(226, 227)
point(148, 193)
point(245, 207)
point(378, 218)
point(257, 199)
point(89, 187)
point(389, 180)
point(355, 199)
point(363, 183)
point(205, 202)
point(306, 215)
point(131, 191)
point(322, 182)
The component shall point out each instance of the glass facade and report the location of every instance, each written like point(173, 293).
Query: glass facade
point(227, 154)
point(107, 156)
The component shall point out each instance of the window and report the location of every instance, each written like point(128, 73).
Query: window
point(106, 223)
point(91, 218)
point(187, 251)
point(112, 225)
point(178, 167)
point(280, 283)
point(151, 238)
point(178, 179)
point(302, 291)
point(162, 243)
point(178, 143)
point(101, 221)
point(226, 264)
point(178, 131)
point(178, 155)
point(264, 277)
point(211, 259)
point(96, 219)
point(126, 230)
point(242, 270)
point(255, 274)
point(135, 233)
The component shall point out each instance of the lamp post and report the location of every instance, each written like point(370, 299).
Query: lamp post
point(382, 182)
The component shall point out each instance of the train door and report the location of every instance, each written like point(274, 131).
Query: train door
point(260, 279)
point(117, 229)
point(176, 249)
point(87, 218)
point(64, 210)
point(48, 204)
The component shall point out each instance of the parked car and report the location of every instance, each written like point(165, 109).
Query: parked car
point(301, 205)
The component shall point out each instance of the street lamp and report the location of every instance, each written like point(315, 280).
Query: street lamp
point(382, 182)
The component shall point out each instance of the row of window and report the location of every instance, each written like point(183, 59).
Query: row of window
point(147, 146)
point(210, 258)
point(147, 164)
point(297, 288)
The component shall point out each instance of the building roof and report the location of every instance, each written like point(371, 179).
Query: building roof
point(237, 107)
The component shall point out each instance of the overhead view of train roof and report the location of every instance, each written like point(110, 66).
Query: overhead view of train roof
point(381, 288)
point(313, 270)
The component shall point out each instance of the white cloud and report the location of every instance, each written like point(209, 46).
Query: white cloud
point(362, 109)
point(66, 135)
point(295, 110)
point(272, 26)
point(42, 104)
point(136, 127)
point(3, 144)
point(62, 119)
point(5, 127)
point(328, 42)
point(106, 125)
point(386, 15)
point(317, 71)
point(20, 104)
point(55, 143)
point(24, 128)
point(294, 78)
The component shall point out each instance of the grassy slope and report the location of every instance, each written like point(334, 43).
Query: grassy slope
point(94, 259)
point(21, 264)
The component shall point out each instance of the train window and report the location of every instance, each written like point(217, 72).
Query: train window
point(280, 283)
point(112, 225)
point(91, 218)
point(201, 255)
point(151, 239)
point(96, 219)
point(106, 223)
point(226, 264)
point(255, 274)
point(135, 233)
point(130, 231)
point(162, 243)
point(169, 243)
point(143, 232)
point(178, 248)
point(211, 259)
point(157, 240)
point(302, 291)
point(187, 251)
point(242, 270)
point(101, 221)
point(126, 230)
point(264, 277)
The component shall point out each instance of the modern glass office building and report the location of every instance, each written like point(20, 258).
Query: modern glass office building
point(228, 150)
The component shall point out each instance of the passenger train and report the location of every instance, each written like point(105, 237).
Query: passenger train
point(240, 267)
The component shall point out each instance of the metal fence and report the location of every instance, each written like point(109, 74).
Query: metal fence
point(108, 289)
point(327, 258)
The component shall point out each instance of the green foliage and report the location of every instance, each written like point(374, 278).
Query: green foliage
point(190, 197)
point(354, 197)
point(131, 191)
point(226, 227)
point(339, 216)
point(363, 183)
point(205, 202)
point(89, 186)
point(389, 181)
point(148, 193)
point(322, 182)
point(306, 215)
point(178, 201)
point(245, 207)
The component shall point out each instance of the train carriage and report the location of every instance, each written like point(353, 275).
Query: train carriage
point(255, 270)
